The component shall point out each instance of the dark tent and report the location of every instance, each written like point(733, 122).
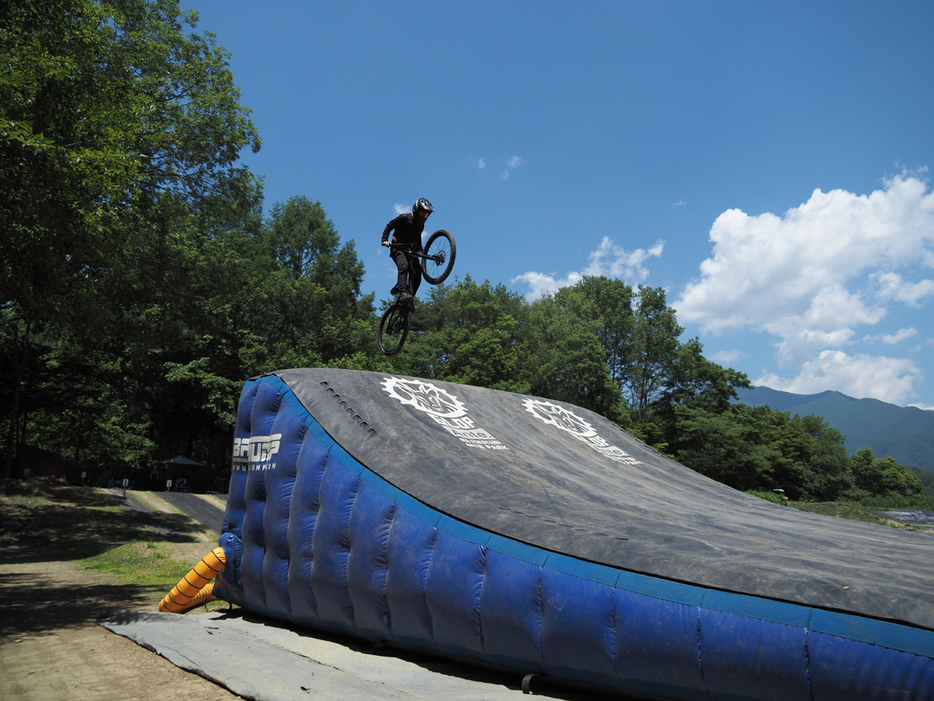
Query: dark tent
point(177, 470)
point(178, 460)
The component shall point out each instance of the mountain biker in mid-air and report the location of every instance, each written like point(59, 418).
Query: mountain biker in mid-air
point(408, 229)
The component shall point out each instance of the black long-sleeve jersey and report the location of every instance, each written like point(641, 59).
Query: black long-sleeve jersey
point(408, 229)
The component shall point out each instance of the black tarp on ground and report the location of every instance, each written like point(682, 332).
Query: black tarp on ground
point(495, 463)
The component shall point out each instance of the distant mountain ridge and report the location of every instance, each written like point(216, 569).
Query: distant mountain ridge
point(905, 433)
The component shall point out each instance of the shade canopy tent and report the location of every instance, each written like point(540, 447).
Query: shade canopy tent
point(181, 469)
point(179, 460)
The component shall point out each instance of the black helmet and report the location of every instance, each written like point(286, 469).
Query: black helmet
point(422, 205)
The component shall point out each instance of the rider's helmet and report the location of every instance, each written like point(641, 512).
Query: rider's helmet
point(422, 205)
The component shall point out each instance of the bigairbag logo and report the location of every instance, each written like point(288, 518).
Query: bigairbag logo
point(255, 452)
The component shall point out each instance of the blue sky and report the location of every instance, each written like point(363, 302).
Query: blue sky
point(766, 163)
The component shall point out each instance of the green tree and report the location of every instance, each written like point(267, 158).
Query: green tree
point(607, 304)
point(693, 380)
point(113, 124)
point(732, 447)
point(233, 305)
point(105, 106)
point(758, 448)
point(165, 377)
point(882, 476)
point(650, 365)
point(315, 315)
point(829, 475)
point(75, 411)
point(565, 360)
point(468, 333)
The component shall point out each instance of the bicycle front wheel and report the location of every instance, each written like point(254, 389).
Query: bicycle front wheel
point(393, 328)
point(440, 250)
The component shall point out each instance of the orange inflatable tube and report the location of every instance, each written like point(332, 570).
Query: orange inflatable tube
point(197, 586)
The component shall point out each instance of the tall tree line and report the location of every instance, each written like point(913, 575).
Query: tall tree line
point(139, 282)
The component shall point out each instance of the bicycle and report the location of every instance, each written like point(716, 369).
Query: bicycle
point(437, 261)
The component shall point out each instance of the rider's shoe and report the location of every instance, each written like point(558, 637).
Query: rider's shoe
point(406, 297)
point(394, 290)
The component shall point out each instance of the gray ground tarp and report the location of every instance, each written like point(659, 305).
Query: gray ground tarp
point(260, 660)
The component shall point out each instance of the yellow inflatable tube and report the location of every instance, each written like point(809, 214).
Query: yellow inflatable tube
point(197, 586)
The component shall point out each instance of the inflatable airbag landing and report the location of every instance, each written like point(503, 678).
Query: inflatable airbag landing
point(538, 537)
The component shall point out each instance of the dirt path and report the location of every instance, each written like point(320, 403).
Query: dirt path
point(51, 647)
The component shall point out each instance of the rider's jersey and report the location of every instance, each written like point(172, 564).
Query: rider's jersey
point(407, 229)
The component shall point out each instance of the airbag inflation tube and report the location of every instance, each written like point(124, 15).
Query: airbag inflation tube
point(197, 586)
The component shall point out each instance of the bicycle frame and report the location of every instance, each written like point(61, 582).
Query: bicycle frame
point(407, 248)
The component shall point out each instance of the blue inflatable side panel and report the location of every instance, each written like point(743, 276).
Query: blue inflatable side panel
point(315, 538)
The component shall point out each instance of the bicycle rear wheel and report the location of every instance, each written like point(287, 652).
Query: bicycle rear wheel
point(440, 250)
point(393, 328)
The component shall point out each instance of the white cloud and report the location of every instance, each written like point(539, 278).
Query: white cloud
point(893, 338)
point(679, 203)
point(802, 276)
point(888, 379)
point(923, 407)
point(543, 284)
point(608, 260)
point(402, 208)
point(765, 268)
point(481, 164)
point(511, 165)
point(816, 275)
point(893, 287)
point(728, 356)
point(613, 261)
point(827, 322)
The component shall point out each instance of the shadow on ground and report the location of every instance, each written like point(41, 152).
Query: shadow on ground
point(45, 523)
point(34, 604)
